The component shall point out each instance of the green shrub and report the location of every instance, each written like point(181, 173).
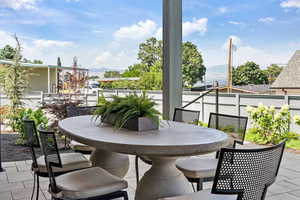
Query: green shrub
point(37, 116)
point(292, 138)
point(270, 126)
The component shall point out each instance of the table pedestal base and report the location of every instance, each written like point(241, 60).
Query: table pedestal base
point(162, 180)
point(115, 163)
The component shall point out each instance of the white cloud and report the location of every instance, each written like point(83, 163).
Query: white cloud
point(290, 4)
point(236, 41)
point(223, 10)
point(195, 26)
point(72, 0)
point(117, 59)
point(52, 43)
point(141, 30)
point(19, 4)
point(235, 22)
point(266, 20)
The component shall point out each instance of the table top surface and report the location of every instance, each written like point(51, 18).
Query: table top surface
point(172, 138)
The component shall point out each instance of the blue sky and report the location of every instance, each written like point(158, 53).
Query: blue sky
point(106, 33)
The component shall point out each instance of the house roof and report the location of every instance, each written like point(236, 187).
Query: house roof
point(118, 79)
point(30, 65)
point(289, 78)
point(254, 88)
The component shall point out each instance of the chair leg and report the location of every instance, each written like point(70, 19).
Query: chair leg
point(37, 186)
point(33, 188)
point(193, 186)
point(65, 142)
point(125, 196)
point(200, 184)
point(137, 170)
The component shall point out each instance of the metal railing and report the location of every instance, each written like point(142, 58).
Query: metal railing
point(215, 88)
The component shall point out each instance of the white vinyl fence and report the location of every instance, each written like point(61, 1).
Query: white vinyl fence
point(234, 104)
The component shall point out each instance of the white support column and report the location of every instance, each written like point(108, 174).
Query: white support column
point(172, 42)
point(49, 81)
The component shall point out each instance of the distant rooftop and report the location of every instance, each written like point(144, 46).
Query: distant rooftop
point(30, 65)
point(118, 79)
point(289, 78)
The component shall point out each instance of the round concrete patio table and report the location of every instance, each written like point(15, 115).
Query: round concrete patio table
point(163, 147)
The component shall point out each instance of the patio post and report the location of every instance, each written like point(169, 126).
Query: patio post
point(172, 44)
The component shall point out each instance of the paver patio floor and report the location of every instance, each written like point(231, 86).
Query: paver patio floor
point(17, 180)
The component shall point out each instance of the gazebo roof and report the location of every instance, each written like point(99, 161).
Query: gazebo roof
point(289, 78)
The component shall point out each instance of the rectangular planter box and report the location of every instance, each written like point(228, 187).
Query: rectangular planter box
point(137, 124)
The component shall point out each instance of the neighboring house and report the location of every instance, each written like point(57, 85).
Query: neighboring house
point(248, 89)
point(288, 81)
point(44, 77)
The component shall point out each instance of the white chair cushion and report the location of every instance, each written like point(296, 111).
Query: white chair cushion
point(90, 182)
point(204, 194)
point(70, 162)
point(77, 146)
point(197, 167)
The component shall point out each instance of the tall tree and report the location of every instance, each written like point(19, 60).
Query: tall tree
point(37, 62)
point(273, 72)
point(193, 70)
point(135, 70)
point(14, 80)
point(150, 52)
point(249, 73)
point(58, 62)
point(8, 53)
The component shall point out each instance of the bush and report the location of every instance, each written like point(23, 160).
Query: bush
point(36, 115)
point(270, 126)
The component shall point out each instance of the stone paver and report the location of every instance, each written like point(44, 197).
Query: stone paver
point(17, 180)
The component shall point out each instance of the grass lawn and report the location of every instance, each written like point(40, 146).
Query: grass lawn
point(292, 143)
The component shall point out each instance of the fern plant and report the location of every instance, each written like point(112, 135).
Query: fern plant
point(125, 108)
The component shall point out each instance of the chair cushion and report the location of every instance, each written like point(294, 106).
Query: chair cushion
point(197, 167)
point(70, 162)
point(204, 194)
point(77, 146)
point(90, 182)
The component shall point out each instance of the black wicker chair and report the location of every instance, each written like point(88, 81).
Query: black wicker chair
point(199, 170)
point(71, 161)
point(180, 115)
point(73, 111)
point(90, 183)
point(242, 174)
point(186, 116)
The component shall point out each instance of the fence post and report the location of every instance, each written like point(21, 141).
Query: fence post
point(287, 102)
point(237, 104)
point(42, 97)
point(1, 169)
point(202, 108)
point(86, 99)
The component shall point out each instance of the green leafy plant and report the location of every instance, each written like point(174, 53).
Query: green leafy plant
point(14, 81)
point(37, 116)
point(125, 108)
point(271, 127)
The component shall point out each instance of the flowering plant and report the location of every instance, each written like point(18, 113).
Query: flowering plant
point(271, 126)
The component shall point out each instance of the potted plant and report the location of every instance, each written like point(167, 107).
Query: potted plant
point(133, 112)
